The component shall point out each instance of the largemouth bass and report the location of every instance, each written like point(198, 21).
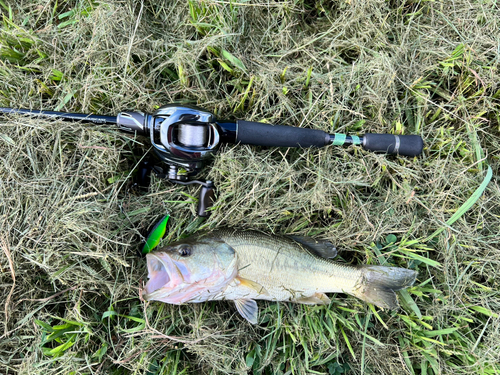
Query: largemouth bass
point(247, 265)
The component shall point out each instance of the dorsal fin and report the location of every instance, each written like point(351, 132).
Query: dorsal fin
point(321, 248)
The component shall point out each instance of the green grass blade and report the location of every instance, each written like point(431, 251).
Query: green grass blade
point(467, 205)
point(59, 350)
point(348, 343)
point(65, 100)
point(234, 60)
point(403, 343)
point(421, 258)
point(409, 302)
point(245, 95)
point(484, 311)
point(440, 332)
point(7, 139)
point(434, 364)
point(47, 327)
point(2, 4)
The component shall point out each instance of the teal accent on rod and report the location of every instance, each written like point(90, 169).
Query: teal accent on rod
point(355, 140)
point(339, 139)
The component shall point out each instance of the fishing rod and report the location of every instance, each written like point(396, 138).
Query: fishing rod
point(185, 136)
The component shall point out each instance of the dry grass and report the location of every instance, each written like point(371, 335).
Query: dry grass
point(70, 227)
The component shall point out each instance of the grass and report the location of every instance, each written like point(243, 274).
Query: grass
point(71, 226)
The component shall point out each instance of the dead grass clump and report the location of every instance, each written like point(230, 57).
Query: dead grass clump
point(70, 225)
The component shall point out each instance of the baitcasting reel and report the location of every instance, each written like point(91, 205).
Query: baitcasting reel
point(184, 137)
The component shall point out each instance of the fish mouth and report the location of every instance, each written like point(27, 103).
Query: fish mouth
point(177, 280)
point(164, 274)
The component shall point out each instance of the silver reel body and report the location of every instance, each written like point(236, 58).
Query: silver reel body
point(183, 136)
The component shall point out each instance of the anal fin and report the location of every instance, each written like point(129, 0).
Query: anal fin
point(315, 299)
point(248, 309)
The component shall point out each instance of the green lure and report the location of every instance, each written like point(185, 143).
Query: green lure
point(155, 235)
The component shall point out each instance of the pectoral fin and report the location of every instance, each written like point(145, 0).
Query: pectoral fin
point(252, 285)
point(248, 309)
point(315, 299)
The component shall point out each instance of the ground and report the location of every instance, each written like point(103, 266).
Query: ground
point(71, 225)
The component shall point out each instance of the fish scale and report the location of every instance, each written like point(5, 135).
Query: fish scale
point(285, 268)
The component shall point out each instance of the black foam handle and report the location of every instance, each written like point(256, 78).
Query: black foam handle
point(407, 145)
point(260, 134)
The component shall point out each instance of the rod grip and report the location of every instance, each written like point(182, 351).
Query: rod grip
point(407, 145)
point(261, 134)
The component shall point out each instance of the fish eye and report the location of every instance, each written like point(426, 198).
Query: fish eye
point(185, 251)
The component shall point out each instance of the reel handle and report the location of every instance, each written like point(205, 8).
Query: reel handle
point(206, 199)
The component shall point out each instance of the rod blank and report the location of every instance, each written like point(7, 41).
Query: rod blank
point(95, 119)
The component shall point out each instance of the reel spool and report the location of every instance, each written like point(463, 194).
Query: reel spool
point(183, 136)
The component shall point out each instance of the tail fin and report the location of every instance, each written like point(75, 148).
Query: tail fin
point(377, 285)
